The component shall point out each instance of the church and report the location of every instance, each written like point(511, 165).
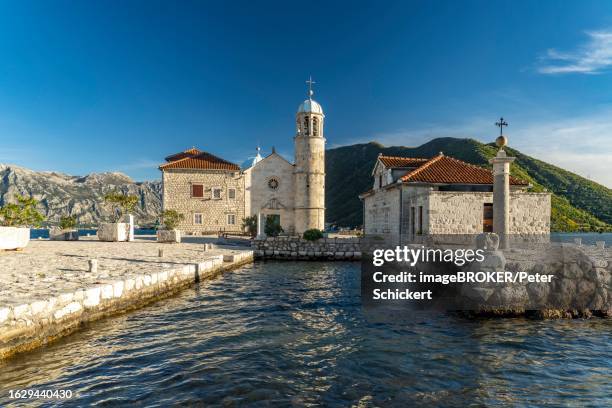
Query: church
point(215, 195)
point(414, 199)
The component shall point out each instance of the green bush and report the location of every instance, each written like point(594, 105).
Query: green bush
point(313, 234)
point(121, 204)
point(273, 227)
point(68, 222)
point(172, 219)
point(21, 214)
point(249, 224)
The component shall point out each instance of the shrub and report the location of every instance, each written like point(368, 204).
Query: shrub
point(68, 222)
point(21, 214)
point(249, 224)
point(313, 234)
point(273, 227)
point(172, 219)
point(120, 203)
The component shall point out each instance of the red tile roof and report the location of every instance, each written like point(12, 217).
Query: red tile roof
point(187, 153)
point(447, 170)
point(401, 162)
point(197, 159)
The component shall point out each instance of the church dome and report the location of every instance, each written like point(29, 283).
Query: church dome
point(251, 161)
point(310, 106)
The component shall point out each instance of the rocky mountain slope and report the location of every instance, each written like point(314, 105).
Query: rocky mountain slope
point(578, 204)
point(61, 194)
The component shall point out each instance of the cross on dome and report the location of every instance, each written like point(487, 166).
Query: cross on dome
point(310, 82)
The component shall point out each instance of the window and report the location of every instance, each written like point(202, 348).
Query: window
point(420, 231)
point(386, 228)
point(216, 193)
point(231, 193)
point(380, 181)
point(487, 217)
point(197, 190)
point(197, 219)
point(273, 183)
point(412, 223)
point(231, 219)
point(315, 127)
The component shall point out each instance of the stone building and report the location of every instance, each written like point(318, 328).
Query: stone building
point(216, 195)
point(415, 198)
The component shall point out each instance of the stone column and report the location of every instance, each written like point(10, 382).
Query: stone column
point(501, 197)
point(131, 228)
point(261, 224)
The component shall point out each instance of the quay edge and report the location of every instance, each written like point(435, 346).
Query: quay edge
point(29, 326)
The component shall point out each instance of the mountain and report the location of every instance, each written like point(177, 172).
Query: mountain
point(61, 194)
point(578, 204)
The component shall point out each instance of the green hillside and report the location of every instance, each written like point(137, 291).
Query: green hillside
point(578, 204)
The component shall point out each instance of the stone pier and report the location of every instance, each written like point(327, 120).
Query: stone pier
point(48, 290)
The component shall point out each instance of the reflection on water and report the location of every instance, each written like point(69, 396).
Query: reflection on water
point(294, 334)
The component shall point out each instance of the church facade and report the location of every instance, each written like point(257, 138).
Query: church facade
point(215, 195)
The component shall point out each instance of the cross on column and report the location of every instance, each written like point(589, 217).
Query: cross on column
point(310, 82)
point(501, 125)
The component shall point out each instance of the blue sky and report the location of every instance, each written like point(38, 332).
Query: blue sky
point(116, 86)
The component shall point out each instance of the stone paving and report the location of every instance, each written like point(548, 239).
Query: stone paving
point(48, 268)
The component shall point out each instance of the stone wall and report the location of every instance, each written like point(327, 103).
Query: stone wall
point(462, 212)
point(448, 213)
point(580, 287)
point(529, 213)
point(296, 248)
point(413, 226)
point(381, 214)
point(29, 325)
point(177, 196)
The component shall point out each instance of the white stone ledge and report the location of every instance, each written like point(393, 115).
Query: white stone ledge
point(110, 297)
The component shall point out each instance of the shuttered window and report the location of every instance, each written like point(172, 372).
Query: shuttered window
point(197, 190)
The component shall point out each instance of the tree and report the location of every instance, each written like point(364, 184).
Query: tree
point(121, 204)
point(273, 227)
point(68, 222)
point(171, 219)
point(21, 214)
point(250, 225)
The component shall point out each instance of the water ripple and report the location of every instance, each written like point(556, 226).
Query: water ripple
point(293, 334)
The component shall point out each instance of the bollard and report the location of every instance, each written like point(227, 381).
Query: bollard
point(600, 244)
point(93, 265)
point(160, 253)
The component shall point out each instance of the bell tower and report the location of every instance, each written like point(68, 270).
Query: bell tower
point(309, 165)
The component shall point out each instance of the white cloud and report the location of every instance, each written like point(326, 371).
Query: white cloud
point(595, 56)
point(582, 144)
point(139, 164)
